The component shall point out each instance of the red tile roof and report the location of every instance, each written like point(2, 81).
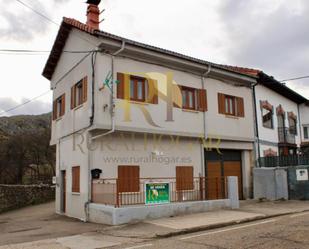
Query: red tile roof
point(69, 23)
point(244, 70)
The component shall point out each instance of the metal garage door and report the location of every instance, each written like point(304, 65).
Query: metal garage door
point(228, 163)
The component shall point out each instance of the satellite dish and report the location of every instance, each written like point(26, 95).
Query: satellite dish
point(95, 2)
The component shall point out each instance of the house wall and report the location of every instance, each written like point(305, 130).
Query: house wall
point(228, 132)
point(269, 137)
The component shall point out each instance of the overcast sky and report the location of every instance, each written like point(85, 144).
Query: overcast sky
point(271, 35)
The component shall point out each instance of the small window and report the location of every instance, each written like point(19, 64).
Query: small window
point(184, 178)
point(267, 116)
point(306, 132)
point(76, 179)
point(79, 93)
point(231, 105)
point(293, 125)
point(128, 179)
point(188, 98)
point(138, 89)
point(59, 107)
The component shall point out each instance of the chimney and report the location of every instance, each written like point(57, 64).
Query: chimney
point(93, 14)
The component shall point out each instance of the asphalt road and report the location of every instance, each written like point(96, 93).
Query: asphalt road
point(285, 232)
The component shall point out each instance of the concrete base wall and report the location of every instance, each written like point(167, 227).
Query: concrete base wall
point(270, 183)
point(103, 214)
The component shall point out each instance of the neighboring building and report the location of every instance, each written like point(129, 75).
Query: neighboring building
point(304, 114)
point(130, 113)
point(279, 121)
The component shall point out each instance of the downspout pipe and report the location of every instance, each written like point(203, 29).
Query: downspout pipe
point(101, 135)
point(257, 137)
point(112, 95)
point(205, 75)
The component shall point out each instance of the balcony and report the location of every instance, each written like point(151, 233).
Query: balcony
point(287, 135)
point(284, 161)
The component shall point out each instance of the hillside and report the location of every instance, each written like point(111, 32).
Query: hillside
point(23, 124)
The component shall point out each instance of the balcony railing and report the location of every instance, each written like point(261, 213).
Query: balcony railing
point(107, 191)
point(287, 135)
point(283, 161)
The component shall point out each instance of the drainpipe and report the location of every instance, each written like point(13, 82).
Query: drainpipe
point(106, 133)
point(203, 86)
point(204, 121)
point(256, 128)
point(113, 95)
point(299, 126)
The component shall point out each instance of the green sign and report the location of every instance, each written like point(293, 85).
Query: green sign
point(157, 193)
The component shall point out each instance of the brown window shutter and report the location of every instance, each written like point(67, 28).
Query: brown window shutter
point(152, 91)
point(240, 107)
point(55, 110)
point(62, 112)
point(202, 100)
point(76, 179)
point(177, 96)
point(120, 86)
point(128, 178)
point(221, 103)
point(85, 89)
point(184, 178)
point(73, 101)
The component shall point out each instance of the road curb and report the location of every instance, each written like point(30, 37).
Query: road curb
point(223, 224)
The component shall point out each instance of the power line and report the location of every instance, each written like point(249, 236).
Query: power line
point(297, 78)
point(50, 20)
point(25, 51)
point(24, 103)
point(60, 79)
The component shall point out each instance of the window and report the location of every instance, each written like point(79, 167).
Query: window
point(267, 116)
point(128, 179)
point(292, 124)
point(306, 133)
point(138, 88)
point(188, 98)
point(231, 105)
point(184, 178)
point(59, 107)
point(79, 93)
point(76, 179)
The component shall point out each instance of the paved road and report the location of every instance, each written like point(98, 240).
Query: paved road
point(285, 232)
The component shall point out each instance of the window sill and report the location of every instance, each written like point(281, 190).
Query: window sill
point(57, 119)
point(189, 110)
point(268, 128)
point(78, 107)
point(75, 193)
point(138, 102)
point(231, 116)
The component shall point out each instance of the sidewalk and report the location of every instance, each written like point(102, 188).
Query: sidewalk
point(109, 236)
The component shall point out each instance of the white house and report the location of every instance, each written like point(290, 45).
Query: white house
point(126, 114)
point(304, 120)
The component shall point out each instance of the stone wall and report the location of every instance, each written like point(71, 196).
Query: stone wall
point(17, 196)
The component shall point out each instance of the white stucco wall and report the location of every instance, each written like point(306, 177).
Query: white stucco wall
point(304, 113)
point(269, 137)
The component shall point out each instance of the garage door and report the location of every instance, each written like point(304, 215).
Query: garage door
point(228, 163)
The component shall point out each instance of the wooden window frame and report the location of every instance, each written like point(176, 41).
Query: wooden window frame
point(59, 107)
point(185, 91)
point(292, 128)
point(76, 179)
point(272, 117)
point(79, 93)
point(128, 184)
point(232, 105)
point(235, 106)
point(135, 80)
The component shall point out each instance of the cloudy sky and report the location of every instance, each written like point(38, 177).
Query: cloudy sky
point(271, 35)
